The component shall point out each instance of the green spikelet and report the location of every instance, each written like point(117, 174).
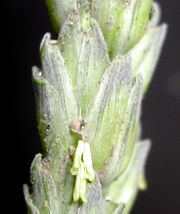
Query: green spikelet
point(89, 92)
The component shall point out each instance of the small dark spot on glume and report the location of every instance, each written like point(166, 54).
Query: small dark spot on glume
point(110, 22)
point(151, 13)
point(48, 128)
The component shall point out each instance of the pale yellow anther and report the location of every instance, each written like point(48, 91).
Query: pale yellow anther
point(82, 169)
point(142, 182)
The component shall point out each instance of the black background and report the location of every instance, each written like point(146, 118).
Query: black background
point(26, 21)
